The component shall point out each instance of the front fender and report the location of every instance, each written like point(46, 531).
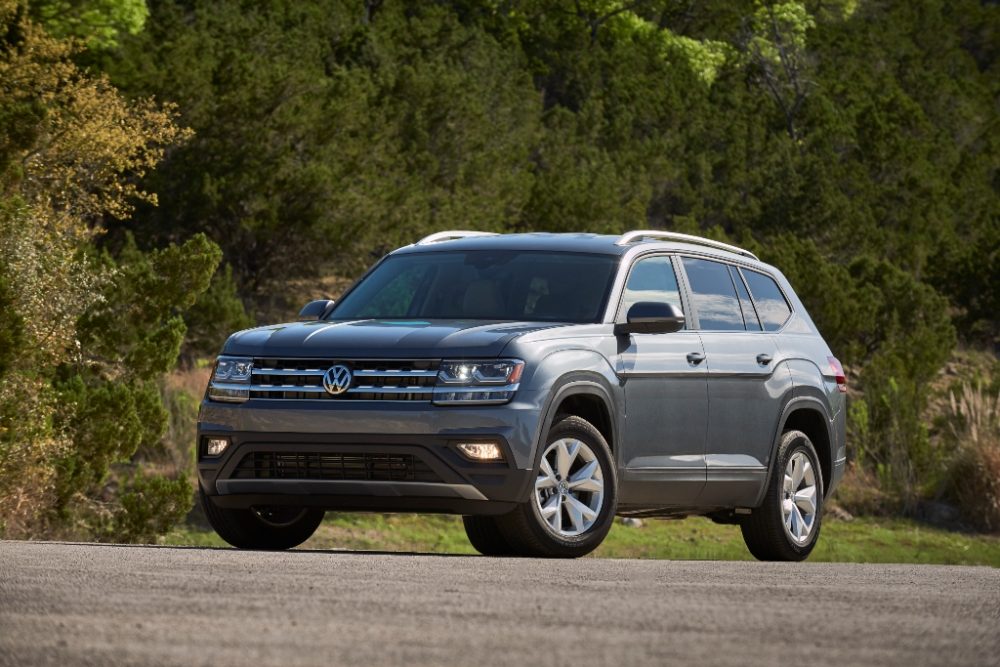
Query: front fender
point(567, 372)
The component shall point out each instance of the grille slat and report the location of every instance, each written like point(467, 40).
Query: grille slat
point(326, 466)
point(373, 379)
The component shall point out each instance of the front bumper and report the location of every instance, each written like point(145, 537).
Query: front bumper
point(424, 435)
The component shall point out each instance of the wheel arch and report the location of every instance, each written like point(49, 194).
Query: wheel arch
point(584, 395)
point(809, 415)
point(815, 425)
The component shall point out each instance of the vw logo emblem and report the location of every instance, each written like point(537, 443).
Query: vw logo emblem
point(337, 379)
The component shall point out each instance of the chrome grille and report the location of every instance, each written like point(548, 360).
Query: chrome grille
point(373, 379)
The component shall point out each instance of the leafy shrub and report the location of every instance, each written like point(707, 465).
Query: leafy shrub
point(11, 324)
point(128, 339)
point(148, 507)
point(72, 150)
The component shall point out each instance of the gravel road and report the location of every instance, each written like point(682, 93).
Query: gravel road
point(85, 604)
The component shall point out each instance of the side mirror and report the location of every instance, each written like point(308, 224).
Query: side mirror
point(651, 317)
point(315, 310)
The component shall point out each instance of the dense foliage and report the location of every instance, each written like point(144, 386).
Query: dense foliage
point(854, 143)
point(84, 334)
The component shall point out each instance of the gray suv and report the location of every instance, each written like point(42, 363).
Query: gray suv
point(538, 385)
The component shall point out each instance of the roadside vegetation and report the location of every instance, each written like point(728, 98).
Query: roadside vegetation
point(174, 170)
point(868, 540)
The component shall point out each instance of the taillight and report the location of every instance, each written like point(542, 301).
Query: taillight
point(838, 373)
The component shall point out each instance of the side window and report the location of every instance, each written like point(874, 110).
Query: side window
point(746, 305)
point(774, 311)
point(714, 296)
point(651, 279)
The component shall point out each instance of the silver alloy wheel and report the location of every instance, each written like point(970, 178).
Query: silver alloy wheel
point(798, 499)
point(569, 490)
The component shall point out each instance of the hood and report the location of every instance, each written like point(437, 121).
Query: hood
point(373, 339)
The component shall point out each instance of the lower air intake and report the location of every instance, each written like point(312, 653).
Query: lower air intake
point(361, 466)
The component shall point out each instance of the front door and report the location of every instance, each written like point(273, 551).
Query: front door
point(666, 398)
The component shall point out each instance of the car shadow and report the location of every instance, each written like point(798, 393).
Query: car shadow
point(194, 547)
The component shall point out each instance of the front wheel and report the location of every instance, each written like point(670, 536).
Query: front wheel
point(265, 528)
point(485, 536)
point(786, 526)
point(571, 505)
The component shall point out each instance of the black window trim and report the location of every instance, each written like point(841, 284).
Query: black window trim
point(735, 270)
point(739, 266)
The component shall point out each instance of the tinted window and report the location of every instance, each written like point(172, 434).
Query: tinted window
point(651, 279)
point(484, 285)
point(746, 305)
point(398, 294)
point(714, 295)
point(771, 305)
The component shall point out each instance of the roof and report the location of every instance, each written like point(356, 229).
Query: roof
point(605, 244)
point(590, 243)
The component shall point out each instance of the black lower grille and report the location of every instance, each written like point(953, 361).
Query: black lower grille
point(309, 465)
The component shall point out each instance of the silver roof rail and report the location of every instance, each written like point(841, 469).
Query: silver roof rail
point(448, 236)
point(642, 234)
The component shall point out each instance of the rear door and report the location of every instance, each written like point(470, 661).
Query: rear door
point(666, 398)
point(743, 389)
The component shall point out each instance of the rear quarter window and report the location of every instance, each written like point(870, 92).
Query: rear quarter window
point(772, 307)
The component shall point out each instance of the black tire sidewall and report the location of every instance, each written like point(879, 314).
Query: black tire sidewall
point(486, 536)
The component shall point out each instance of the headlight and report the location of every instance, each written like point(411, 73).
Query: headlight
point(233, 369)
point(493, 381)
point(231, 379)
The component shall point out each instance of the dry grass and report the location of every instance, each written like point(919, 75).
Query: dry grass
point(859, 493)
point(181, 391)
point(974, 423)
point(192, 380)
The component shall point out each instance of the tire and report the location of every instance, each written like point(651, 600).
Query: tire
point(525, 528)
point(262, 529)
point(485, 536)
point(766, 532)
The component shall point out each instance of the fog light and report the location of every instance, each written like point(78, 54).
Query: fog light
point(481, 451)
point(215, 446)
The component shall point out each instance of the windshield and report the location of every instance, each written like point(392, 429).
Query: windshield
point(484, 285)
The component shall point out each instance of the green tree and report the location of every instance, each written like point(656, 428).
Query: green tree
point(98, 23)
point(321, 138)
point(128, 339)
point(88, 334)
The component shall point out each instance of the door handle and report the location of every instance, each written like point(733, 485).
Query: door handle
point(763, 359)
point(695, 358)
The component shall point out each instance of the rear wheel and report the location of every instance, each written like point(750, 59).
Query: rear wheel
point(571, 505)
point(786, 526)
point(265, 528)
